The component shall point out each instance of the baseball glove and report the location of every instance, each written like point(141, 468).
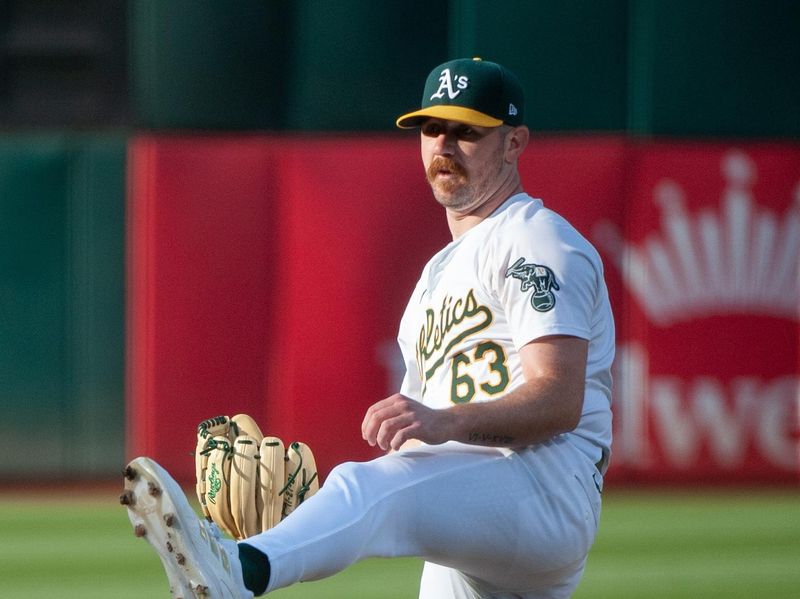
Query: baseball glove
point(246, 482)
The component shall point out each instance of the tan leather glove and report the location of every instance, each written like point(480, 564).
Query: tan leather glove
point(246, 482)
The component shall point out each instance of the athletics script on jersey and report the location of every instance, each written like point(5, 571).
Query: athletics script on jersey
point(457, 319)
point(445, 327)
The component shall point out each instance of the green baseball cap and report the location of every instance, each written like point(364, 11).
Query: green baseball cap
point(471, 91)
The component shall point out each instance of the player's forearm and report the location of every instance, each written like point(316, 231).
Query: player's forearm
point(534, 412)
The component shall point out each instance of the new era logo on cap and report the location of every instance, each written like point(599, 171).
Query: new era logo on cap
point(471, 91)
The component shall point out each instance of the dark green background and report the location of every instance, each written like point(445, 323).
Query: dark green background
point(711, 68)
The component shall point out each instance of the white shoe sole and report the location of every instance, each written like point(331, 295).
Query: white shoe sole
point(196, 566)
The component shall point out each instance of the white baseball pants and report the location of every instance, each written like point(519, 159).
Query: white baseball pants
point(490, 523)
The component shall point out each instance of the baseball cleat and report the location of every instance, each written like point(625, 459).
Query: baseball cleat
point(199, 563)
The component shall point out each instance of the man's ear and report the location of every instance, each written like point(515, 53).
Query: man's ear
point(516, 141)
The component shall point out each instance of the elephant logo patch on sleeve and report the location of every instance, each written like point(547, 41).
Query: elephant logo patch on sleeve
point(539, 278)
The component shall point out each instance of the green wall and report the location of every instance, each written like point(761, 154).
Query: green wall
point(723, 68)
point(647, 67)
point(61, 308)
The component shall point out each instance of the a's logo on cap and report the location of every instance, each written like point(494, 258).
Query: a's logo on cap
point(446, 84)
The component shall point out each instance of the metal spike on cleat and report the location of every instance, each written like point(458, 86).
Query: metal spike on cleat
point(196, 565)
point(130, 473)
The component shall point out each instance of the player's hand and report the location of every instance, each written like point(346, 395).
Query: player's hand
point(392, 421)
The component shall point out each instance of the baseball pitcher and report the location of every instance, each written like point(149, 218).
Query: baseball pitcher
point(498, 439)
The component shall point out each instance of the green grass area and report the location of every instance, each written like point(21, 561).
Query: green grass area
point(652, 544)
point(732, 544)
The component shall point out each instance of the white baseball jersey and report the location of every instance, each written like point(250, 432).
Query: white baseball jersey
point(522, 273)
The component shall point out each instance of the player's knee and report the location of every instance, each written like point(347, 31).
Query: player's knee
point(348, 480)
point(343, 471)
point(346, 475)
point(360, 478)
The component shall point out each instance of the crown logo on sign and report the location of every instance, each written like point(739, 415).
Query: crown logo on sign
point(743, 260)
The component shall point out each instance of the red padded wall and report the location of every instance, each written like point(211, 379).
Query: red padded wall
point(201, 245)
point(268, 275)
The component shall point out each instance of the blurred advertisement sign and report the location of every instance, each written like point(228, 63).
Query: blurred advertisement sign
point(708, 252)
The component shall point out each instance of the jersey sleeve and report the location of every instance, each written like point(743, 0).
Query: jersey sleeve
point(547, 281)
point(412, 381)
point(411, 386)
